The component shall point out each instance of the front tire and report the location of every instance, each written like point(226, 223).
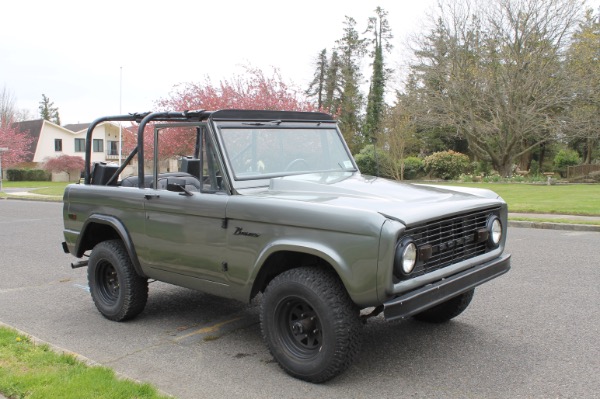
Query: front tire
point(119, 293)
point(310, 324)
point(447, 310)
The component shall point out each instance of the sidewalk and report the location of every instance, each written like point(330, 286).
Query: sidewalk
point(551, 225)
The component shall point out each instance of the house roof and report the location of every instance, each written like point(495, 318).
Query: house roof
point(33, 128)
point(76, 127)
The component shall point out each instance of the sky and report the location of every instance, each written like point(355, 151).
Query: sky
point(105, 57)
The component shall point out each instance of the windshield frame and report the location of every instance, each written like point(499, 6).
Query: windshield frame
point(264, 180)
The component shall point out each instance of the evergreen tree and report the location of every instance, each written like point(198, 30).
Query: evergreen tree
point(380, 29)
point(351, 49)
point(317, 86)
point(48, 111)
point(333, 88)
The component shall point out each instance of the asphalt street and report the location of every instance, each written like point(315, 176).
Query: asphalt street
point(532, 333)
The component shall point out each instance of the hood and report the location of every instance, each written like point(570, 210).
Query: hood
point(408, 203)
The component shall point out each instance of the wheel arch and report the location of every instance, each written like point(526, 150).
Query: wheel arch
point(98, 228)
point(280, 258)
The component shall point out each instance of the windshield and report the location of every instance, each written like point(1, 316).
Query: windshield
point(261, 153)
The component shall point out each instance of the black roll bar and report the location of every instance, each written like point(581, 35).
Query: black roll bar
point(144, 118)
point(136, 117)
point(162, 117)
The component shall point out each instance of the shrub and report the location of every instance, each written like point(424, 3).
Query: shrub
point(446, 165)
point(365, 160)
point(482, 168)
point(28, 175)
point(534, 168)
point(413, 167)
point(565, 158)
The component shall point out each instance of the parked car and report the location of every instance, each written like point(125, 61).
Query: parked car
point(272, 203)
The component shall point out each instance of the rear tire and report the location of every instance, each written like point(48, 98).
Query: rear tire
point(310, 324)
point(119, 293)
point(447, 310)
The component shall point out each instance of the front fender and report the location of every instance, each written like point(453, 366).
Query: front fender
point(356, 268)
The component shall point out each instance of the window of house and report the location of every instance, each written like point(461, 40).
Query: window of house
point(79, 145)
point(98, 145)
point(57, 144)
point(113, 148)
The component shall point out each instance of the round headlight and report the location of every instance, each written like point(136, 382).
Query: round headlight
point(495, 229)
point(409, 257)
point(406, 258)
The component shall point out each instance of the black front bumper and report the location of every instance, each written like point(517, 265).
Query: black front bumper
point(433, 294)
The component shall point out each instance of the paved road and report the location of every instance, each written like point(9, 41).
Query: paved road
point(532, 333)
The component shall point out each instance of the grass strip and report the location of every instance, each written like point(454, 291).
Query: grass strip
point(35, 371)
point(568, 199)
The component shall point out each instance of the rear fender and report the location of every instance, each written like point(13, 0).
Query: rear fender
point(85, 241)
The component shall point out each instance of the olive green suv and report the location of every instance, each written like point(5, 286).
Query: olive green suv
point(272, 203)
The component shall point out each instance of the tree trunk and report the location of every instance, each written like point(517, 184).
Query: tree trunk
point(589, 149)
point(542, 156)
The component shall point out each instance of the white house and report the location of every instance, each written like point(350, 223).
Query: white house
point(52, 140)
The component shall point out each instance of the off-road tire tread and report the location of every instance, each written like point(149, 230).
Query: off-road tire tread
point(347, 325)
point(134, 287)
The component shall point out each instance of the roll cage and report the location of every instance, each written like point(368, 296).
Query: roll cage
point(259, 118)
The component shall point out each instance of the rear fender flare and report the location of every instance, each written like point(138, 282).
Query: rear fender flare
point(119, 228)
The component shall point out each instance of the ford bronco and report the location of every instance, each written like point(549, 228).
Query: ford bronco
point(272, 203)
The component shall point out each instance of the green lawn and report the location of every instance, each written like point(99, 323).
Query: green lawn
point(572, 199)
point(34, 371)
point(55, 189)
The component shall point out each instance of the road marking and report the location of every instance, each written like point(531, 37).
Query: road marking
point(216, 330)
point(206, 330)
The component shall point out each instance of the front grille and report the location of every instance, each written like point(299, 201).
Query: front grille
point(452, 239)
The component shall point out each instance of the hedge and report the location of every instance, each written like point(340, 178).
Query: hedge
point(28, 175)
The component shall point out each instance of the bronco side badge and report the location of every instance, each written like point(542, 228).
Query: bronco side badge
point(240, 232)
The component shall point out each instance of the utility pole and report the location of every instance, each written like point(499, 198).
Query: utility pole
point(1, 151)
point(120, 112)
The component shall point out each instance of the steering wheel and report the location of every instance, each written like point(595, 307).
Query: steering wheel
point(297, 162)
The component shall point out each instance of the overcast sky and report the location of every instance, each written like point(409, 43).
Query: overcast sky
point(73, 52)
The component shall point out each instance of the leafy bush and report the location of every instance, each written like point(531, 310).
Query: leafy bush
point(446, 165)
point(365, 160)
point(28, 175)
point(565, 158)
point(482, 168)
point(413, 167)
point(534, 168)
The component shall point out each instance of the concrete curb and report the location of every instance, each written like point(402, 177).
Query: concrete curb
point(554, 226)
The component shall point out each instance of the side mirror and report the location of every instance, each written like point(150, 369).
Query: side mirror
point(178, 186)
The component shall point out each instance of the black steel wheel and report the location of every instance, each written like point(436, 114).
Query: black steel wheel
point(447, 310)
point(309, 323)
point(299, 327)
point(119, 293)
point(107, 282)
